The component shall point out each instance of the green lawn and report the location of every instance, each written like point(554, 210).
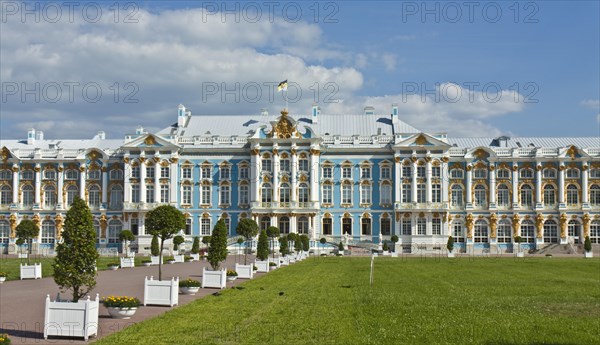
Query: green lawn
point(412, 301)
point(11, 265)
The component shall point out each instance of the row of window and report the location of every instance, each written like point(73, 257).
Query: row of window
point(526, 173)
point(163, 196)
point(165, 172)
point(50, 196)
point(70, 174)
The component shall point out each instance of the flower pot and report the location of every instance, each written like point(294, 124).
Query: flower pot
point(589, 255)
point(113, 268)
point(2, 279)
point(147, 264)
point(121, 313)
point(189, 290)
point(231, 278)
point(170, 262)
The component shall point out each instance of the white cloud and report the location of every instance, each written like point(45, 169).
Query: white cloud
point(591, 104)
point(389, 61)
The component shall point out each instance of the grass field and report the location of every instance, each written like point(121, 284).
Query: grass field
point(11, 265)
point(412, 301)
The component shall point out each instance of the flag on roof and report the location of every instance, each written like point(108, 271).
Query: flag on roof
point(282, 86)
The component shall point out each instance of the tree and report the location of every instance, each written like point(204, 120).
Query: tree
point(248, 229)
point(164, 222)
point(206, 240)
point(297, 244)
point(587, 244)
point(394, 239)
point(154, 250)
point(262, 248)
point(341, 247)
point(273, 233)
point(126, 236)
point(450, 244)
point(196, 245)
point(305, 242)
point(75, 262)
point(177, 240)
point(283, 245)
point(323, 240)
point(217, 251)
point(27, 230)
point(385, 247)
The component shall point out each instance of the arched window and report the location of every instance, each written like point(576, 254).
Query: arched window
point(116, 175)
point(572, 173)
point(5, 195)
point(303, 225)
point(572, 195)
point(595, 195)
point(526, 195)
point(303, 193)
point(549, 195)
point(480, 196)
point(267, 163)
point(28, 197)
point(72, 192)
point(456, 198)
point(549, 173)
point(480, 173)
point(595, 173)
point(49, 196)
point(114, 229)
point(458, 231)
point(386, 226)
point(265, 222)
point(266, 193)
point(27, 175)
point(48, 232)
point(284, 193)
point(503, 195)
point(94, 196)
point(5, 174)
point(503, 174)
point(49, 174)
point(504, 231)
point(595, 231)
point(71, 174)
point(421, 192)
point(456, 173)
point(98, 230)
point(4, 232)
point(116, 197)
point(365, 226)
point(93, 174)
point(480, 233)
point(284, 225)
point(526, 173)
point(527, 231)
point(365, 193)
point(550, 231)
point(574, 230)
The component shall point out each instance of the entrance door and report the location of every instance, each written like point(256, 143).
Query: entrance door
point(574, 231)
point(347, 226)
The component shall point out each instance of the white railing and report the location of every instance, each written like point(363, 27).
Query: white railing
point(526, 151)
point(503, 152)
point(457, 151)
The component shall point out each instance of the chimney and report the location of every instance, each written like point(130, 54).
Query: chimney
point(181, 113)
point(369, 110)
point(394, 112)
point(39, 135)
point(31, 136)
point(139, 130)
point(264, 112)
point(101, 135)
point(316, 111)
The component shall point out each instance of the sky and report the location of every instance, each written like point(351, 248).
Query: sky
point(528, 68)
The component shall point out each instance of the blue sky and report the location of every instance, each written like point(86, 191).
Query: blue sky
point(374, 53)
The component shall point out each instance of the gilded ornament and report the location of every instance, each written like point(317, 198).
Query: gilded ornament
point(515, 223)
point(493, 224)
point(13, 225)
point(445, 159)
point(15, 168)
point(515, 167)
point(150, 140)
point(126, 160)
point(284, 128)
point(563, 225)
point(572, 152)
point(421, 140)
point(5, 154)
point(469, 224)
point(539, 224)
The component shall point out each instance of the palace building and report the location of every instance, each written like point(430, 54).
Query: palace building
point(360, 178)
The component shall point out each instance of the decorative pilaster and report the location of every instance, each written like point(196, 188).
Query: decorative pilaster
point(38, 185)
point(515, 186)
point(538, 186)
point(104, 184)
point(469, 187)
point(314, 174)
point(584, 186)
point(561, 186)
point(126, 180)
point(142, 180)
point(15, 184)
point(82, 186)
point(428, 175)
point(294, 195)
point(492, 178)
point(276, 162)
point(61, 182)
point(397, 180)
point(414, 180)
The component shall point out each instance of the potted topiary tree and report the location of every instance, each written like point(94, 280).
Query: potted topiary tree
point(273, 233)
point(195, 249)
point(450, 246)
point(154, 251)
point(177, 241)
point(340, 249)
point(394, 239)
point(75, 270)
point(262, 252)
point(163, 222)
point(26, 231)
point(587, 247)
point(385, 248)
point(305, 242)
point(217, 253)
point(248, 229)
point(323, 240)
point(519, 253)
point(126, 237)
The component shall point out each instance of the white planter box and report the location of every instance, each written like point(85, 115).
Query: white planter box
point(292, 260)
point(195, 257)
point(276, 261)
point(450, 254)
point(394, 254)
point(31, 272)
point(263, 266)
point(131, 255)
point(68, 319)
point(165, 292)
point(178, 258)
point(244, 271)
point(214, 279)
point(22, 255)
point(520, 254)
point(589, 255)
point(127, 262)
point(284, 261)
point(154, 260)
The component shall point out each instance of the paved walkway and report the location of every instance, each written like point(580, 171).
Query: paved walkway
point(22, 302)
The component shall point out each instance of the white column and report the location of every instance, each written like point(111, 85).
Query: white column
point(105, 183)
point(428, 175)
point(492, 185)
point(293, 224)
point(126, 181)
point(38, 184)
point(445, 178)
point(254, 175)
point(275, 175)
point(173, 173)
point(561, 184)
point(515, 187)
point(61, 175)
point(414, 181)
point(82, 185)
point(397, 180)
point(274, 222)
point(142, 180)
point(156, 182)
point(584, 185)
point(294, 196)
point(15, 184)
point(314, 175)
point(469, 185)
point(538, 186)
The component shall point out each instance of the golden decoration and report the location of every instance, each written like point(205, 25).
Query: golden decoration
point(36, 220)
point(284, 178)
point(469, 168)
point(126, 160)
point(15, 168)
point(469, 224)
point(538, 167)
point(36, 169)
point(539, 224)
point(13, 225)
point(584, 167)
point(586, 225)
point(103, 224)
point(266, 179)
point(515, 167)
point(563, 225)
point(445, 159)
point(516, 224)
point(156, 159)
point(397, 159)
point(480, 153)
point(421, 140)
point(255, 152)
point(93, 155)
point(284, 128)
point(315, 152)
point(562, 167)
point(173, 160)
point(413, 159)
point(572, 152)
point(58, 221)
point(492, 167)
point(428, 159)
point(493, 224)
point(142, 159)
point(5, 154)
point(82, 168)
point(150, 140)
point(407, 215)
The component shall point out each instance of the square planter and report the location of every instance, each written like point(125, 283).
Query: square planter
point(394, 254)
point(31, 271)
point(22, 255)
point(127, 262)
point(450, 254)
point(520, 254)
point(68, 319)
point(165, 292)
point(284, 261)
point(291, 260)
point(244, 271)
point(276, 261)
point(195, 257)
point(214, 279)
point(154, 260)
point(263, 266)
point(179, 258)
point(589, 255)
